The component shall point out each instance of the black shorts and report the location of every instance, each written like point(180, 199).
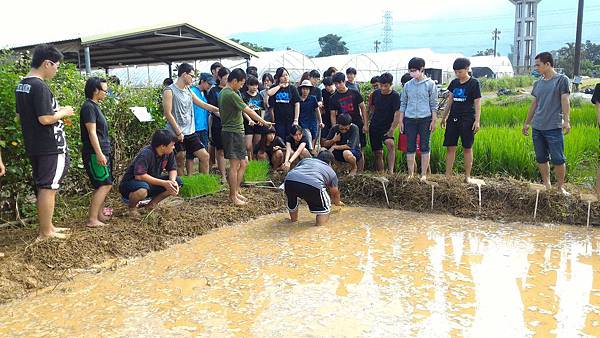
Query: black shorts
point(191, 144)
point(317, 199)
point(99, 175)
point(248, 129)
point(49, 171)
point(459, 127)
point(234, 146)
point(216, 140)
point(377, 137)
point(338, 154)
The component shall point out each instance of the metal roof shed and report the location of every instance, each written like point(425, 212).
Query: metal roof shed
point(164, 44)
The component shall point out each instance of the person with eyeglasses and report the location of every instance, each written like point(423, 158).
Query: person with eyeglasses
point(96, 148)
point(178, 106)
point(41, 120)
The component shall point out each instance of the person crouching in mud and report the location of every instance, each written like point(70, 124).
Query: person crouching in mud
point(310, 180)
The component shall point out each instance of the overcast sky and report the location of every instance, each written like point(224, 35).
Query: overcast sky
point(52, 20)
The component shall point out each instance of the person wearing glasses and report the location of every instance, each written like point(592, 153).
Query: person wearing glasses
point(95, 150)
point(178, 107)
point(41, 120)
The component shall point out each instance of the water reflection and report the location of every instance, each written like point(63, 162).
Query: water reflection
point(371, 272)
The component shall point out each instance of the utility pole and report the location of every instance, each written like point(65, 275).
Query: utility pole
point(377, 43)
point(577, 65)
point(496, 37)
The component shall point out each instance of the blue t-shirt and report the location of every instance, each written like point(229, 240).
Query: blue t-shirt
point(200, 114)
point(307, 117)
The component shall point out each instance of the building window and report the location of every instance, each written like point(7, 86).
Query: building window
point(529, 28)
point(520, 10)
point(530, 9)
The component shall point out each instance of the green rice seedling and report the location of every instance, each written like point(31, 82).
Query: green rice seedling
point(514, 115)
point(200, 184)
point(257, 171)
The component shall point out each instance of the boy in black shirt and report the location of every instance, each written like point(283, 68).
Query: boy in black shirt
point(385, 105)
point(348, 101)
point(216, 141)
point(144, 177)
point(43, 134)
point(343, 142)
point(327, 92)
point(461, 116)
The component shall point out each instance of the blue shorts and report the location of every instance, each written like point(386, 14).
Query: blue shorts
point(127, 187)
point(549, 146)
point(414, 127)
point(339, 154)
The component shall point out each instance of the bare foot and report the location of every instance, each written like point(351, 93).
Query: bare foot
point(95, 224)
point(237, 202)
point(352, 172)
point(103, 218)
point(242, 198)
point(548, 186)
point(411, 176)
point(60, 230)
point(563, 191)
point(56, 235)
point(423, 179)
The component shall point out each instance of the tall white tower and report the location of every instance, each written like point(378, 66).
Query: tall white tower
point(387, 31)
point(525, 33)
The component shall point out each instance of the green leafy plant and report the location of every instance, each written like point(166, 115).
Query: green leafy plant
point(199, 185)
point(257, 171)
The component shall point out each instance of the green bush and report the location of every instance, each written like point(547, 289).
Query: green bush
point(492, 85)
point(257, 171)
point(200, 184)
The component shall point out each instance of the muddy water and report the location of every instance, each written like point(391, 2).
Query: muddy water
point(370, 272)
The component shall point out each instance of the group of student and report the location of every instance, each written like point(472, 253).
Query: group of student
point(301, 130)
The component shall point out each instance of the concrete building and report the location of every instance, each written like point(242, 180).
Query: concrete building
point(525, 41)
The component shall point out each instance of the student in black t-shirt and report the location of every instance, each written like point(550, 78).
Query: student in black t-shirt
point(348, 101)
point(215, 150)
point(285, 101)
point(351, 75)
point(43, 134)
point(461, 116)
point(145, 175)
point(95, 150)
point(596, 101)
point(385, 106)
point(327, 91)
point(271, 147)
point(252, 130)
point(295, 145)
point(343, 142)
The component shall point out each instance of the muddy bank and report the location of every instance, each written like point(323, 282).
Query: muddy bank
point(503, 199)
point(27, 266)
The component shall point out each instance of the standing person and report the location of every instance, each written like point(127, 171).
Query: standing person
point(310, 180)
point(329, 72)
point(314, 77)
point(385, 107)
point(596, 101)
point(310, 116)
point(200, 114)
point(271, 147)
point(343, 142)
point(327, 92)
point(214, 70)
point(285, 101)
point(295, 147)
point(178, 108)
point(43, 134)
point(549, 117)
point(267, 82)
point(2, 167)
point(95, 151)
point(351, 75)
point(347, 101)
point(216, 142)
point(253, 132)
point(232, 110)
point(461, 116)
point(145, 175)
point(418, 106)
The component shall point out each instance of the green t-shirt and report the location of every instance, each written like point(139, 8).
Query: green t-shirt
point(230, 108)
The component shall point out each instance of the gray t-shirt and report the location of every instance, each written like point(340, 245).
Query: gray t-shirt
point(313, 172)
point(182, 109)
point(548, 114)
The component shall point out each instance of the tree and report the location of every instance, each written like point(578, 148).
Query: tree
point(590, 58)
point(253, 46)
point(332, 44)
point(489, 51)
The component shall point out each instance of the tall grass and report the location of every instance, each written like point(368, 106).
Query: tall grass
point(489, 85)
point(505, 151)
point(515, 114)
point(257, 171)
point(200, 184)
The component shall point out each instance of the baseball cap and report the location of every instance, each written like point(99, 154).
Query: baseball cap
point(207, 77)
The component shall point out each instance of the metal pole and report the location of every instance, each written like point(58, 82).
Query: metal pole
point(577, 65)
point(170, 70)
point(88, 61)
